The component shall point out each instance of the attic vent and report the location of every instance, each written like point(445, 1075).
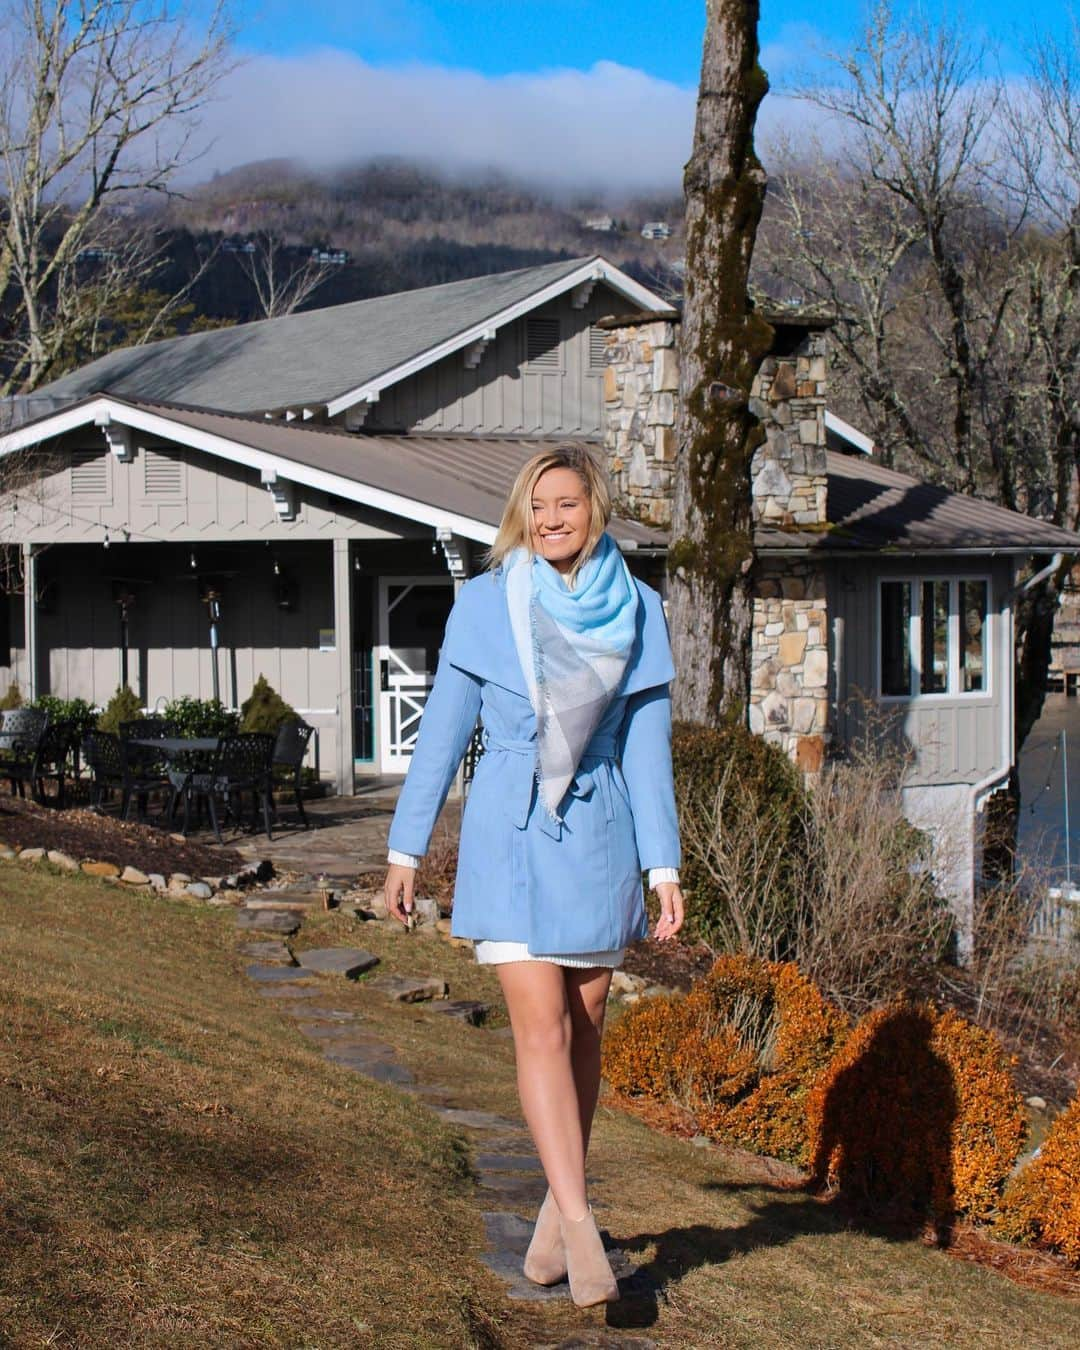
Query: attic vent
point(542, 343)
point(89, 473)
point(597, 348)
point(163, 476)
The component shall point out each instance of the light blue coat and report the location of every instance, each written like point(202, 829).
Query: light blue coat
point(522, 877)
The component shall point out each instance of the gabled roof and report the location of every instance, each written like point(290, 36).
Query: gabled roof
point(454, 483)
point(874, 509)
point(335, 357)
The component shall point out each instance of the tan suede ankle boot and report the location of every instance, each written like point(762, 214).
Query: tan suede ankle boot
point(545, 1261)
point(591, 1280)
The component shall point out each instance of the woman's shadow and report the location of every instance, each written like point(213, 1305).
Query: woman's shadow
point(881, 1166)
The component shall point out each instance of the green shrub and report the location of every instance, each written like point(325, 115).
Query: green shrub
point(124, 706)
point(84, 715)
point(264, 709)
point(200, 717)
point(12, 697)
point(730, 782)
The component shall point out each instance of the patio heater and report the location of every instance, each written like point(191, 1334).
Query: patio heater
point(125, 601)
point(212, 597)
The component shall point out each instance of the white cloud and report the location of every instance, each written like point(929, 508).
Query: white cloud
point(610, 126)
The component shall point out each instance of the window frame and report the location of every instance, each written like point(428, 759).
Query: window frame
point(952, 693)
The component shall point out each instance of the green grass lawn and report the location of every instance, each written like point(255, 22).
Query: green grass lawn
point(181, 1168)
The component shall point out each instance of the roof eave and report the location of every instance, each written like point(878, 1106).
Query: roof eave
point(592, 270)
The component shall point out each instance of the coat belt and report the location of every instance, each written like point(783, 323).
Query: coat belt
point(601, 749)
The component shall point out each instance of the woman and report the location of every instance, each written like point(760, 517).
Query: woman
point(565, 657)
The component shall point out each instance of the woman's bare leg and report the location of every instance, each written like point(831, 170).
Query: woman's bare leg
point(537, 1000)
point(587, 992)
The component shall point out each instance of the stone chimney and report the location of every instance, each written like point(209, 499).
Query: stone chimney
point(789, 660)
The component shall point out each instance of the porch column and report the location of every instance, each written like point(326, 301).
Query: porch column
point(29, 561)
point(343, 639)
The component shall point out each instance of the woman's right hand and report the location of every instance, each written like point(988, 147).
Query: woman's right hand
point(398, 892)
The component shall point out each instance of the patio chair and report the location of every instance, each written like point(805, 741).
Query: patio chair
point(20, 731)
point(242, 763)
point(51, 759)
point(149, 767)
point(111, 770)
point(289, 750)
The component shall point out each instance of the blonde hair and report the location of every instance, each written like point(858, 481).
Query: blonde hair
point(516, 526)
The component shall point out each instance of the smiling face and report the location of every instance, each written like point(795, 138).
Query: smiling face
point(561, 516)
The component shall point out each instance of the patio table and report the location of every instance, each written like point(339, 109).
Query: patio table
point(186, 756)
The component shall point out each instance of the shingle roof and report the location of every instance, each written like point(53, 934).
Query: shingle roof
point(872, 508)
point(464, 476)
point(306, 358)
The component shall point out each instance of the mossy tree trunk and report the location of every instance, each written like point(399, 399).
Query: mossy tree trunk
point(723, 344)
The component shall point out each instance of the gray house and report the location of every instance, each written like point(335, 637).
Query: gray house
point(321, 482)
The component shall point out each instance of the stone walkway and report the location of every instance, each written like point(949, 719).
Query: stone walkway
point(509, 1179)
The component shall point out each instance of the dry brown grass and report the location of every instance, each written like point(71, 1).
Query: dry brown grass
point(179, 1168)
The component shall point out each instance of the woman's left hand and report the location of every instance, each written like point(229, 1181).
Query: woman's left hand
point(671, 910)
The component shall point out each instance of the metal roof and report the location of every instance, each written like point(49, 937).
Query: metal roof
point(464, 477)
point(317, 356)
point(871, 508)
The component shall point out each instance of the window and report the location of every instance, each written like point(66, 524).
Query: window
point(933, 635)
point(542, 343)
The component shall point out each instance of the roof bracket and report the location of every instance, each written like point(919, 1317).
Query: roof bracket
point(474, 352)
point(455, 550)
point(356, 416)
point(120, 441)
point(580, 295)
point(283, 493)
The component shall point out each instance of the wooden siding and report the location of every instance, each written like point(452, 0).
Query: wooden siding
point(950, 739)
point(560, 394)
point(69, 505)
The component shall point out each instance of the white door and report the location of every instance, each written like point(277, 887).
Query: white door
point(412, 619)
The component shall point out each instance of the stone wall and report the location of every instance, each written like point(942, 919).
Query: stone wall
point(790, 658)
point(641, 386)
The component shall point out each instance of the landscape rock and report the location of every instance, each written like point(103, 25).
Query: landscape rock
point(268, 920)
point(288, 900)
point(406, 989)
point(462, 944)
point(198, 890)
point(426, 910)
point(1037, 1103)
point(622, 982)
point(64, 860)
point(178, 882)
point(31, 854)
point(7, 853)
point(131, 876)
point(443, 926)
point(347, 961)
point(157, 881)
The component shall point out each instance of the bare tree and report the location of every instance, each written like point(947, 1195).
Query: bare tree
point(723, 343)
point(99, 102)
point(281, 281)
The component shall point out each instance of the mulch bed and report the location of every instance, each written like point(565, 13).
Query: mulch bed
point(86, 836)
point(674, 964)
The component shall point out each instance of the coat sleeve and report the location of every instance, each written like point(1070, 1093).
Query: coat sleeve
point(446, 727)
point(645, 756)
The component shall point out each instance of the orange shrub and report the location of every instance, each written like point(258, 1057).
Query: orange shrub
point(1042, 1202)
point(740, 1052)
point(917, 1115)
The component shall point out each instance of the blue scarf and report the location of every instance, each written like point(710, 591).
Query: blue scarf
point(573, 645)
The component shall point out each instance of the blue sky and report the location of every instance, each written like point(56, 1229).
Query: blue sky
point(499, 37)
point(567, 93)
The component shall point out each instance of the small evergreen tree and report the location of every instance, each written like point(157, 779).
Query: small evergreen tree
point(124, 706)
point(12, 698)
point(265, 709)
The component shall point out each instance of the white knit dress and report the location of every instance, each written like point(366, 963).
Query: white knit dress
point(490, 953)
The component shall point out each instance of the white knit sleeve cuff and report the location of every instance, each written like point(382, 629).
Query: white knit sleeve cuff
point(657, 874)
point(403, 859)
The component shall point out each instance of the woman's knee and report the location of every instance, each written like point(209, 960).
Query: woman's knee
point(544, 1031)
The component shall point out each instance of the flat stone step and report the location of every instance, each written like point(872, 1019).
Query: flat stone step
point(478, 1120)
point(406, 989)
point(521, 1191)
point(268, 953)
point(268, 920)
point(373, 1061)
point(290, 990)
point(288, 900)
point(508, 1236)
point(347, 961)
point(276, 974)
point(465, 1010)
point(508, 1162)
